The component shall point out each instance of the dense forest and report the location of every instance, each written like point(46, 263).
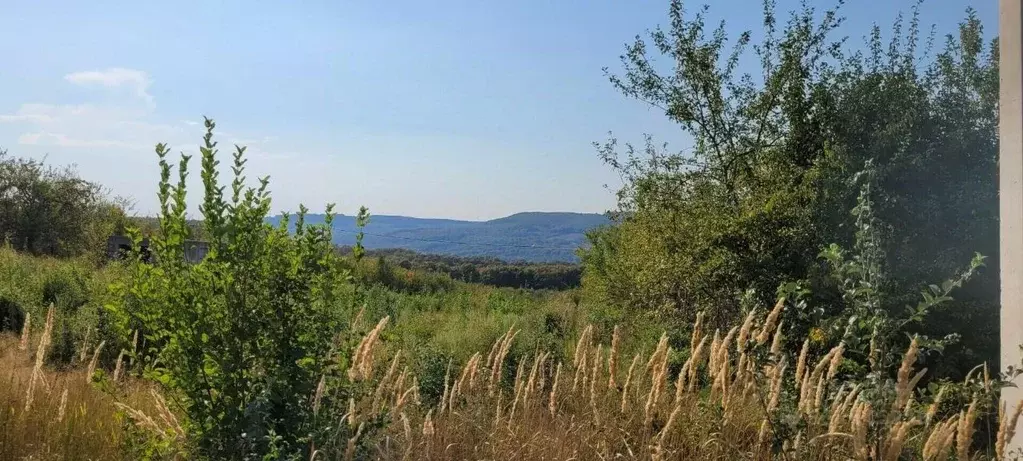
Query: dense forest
point(484, 270)
point(814, 279)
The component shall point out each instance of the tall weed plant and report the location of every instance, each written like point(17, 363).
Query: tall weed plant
point(250, 342)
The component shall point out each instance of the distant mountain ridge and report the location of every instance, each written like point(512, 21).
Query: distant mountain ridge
point(529, 236)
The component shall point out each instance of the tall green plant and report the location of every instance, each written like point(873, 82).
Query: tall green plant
point(243, 340)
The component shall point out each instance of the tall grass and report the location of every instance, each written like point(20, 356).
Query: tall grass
point(51, 415)
point(738, 395)
point(729, 400)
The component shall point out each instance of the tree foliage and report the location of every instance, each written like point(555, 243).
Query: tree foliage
point(772, 172)
point(52, 211)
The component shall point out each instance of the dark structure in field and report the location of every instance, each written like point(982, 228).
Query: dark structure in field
point(118, 246)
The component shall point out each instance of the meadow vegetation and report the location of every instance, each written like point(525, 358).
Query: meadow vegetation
point(776, 294)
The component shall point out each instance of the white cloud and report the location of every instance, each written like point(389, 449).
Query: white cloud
point(118, 134)
point(117, 77)
point(60, 140)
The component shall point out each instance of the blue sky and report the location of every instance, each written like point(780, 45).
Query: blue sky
point(455, 109)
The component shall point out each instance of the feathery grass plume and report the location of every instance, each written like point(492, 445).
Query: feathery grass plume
point(694, 366)
point(1007, 429)
point(837, 411)
point(801, 364)
point(777, 379)
point(662, 348)
point(25, 329)
point(494, 348)
point(628, 381)
point(318, 396)
point(541, 374)
point(697, 331)
point(358, 317)
point(712, 356)
point(658, 372)
point(350, 447)
point(595, 372)
point(770, 322)
point(580, 369)
point(170, 421)
point(141, 419)
point(495, 376)
point(657, 379)
point(406, 425)
point(744, 332)
point(680, 382)
point(903, 389)
point(836, 360)
point(811, 381)
point(399, 402)
point(118, 366)
point(63, 405)
point(362, 361)
point(740, 368)
point(519, 384)
point(859, 424)
point(897, 435)
point(612, 359)
point(552, 401)
point(83, 352)
point(447, 388)
point(818, 399)
point(778, 338)
point(37, 370)
point(399, 384)
point(594, 369)
point(933, 408)
point(465, 381)
point(474, 372)
point(582, 345)
point(941, 438)
point(724, 347)
point(91, 370)
point(964, 432)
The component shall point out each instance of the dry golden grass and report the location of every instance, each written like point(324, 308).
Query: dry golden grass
point(727, 401)
point(715, 407)
point(46, 415)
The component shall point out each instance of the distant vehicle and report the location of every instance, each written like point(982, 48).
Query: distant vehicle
point(120, 246)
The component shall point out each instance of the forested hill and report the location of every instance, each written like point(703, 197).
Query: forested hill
point(533, 236)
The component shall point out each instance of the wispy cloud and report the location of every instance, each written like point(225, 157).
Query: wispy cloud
point(136, 81)
point(125, 124)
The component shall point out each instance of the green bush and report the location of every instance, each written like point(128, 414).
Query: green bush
point(243, 338)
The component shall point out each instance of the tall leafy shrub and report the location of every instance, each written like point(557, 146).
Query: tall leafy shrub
point(251, 341)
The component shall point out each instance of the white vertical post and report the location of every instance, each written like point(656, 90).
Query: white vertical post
point(1010, 165)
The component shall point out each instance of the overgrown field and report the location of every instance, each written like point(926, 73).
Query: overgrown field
point(804, 284)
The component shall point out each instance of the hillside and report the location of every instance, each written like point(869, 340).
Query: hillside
point(533, 236)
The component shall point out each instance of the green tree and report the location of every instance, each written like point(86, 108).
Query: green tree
point(770, 176)
point(52, 211)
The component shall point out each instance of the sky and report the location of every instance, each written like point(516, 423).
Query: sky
point(450, 109)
